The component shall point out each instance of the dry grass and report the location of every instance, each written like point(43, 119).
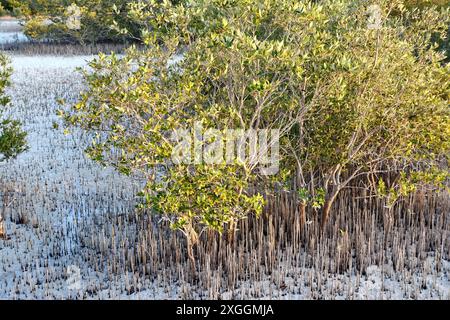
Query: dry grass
point(42, 48)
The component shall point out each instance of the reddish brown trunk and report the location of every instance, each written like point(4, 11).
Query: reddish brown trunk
point(2, 230)
point(327, 207)
point(325, 214)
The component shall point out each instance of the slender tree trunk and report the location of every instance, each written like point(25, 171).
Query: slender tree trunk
point(326, 209)
point(2, 229)
point(190, 252)
point(192, 240)
point(325, 214)
point(231, 232)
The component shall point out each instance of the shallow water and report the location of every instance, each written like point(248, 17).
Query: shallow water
point(11, 32)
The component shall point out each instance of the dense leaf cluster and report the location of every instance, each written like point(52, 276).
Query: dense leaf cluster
point(352, 102)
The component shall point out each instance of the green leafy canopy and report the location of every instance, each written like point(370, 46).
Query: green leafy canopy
point(352, 102)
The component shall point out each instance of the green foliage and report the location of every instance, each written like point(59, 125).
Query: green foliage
point(210, 196)
point(16, 8)
point(12, 138)
point(319, 199)
point(2, 10)
point(421, 4)
point(303, 195)
point(350, 101)
point(54, 19)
